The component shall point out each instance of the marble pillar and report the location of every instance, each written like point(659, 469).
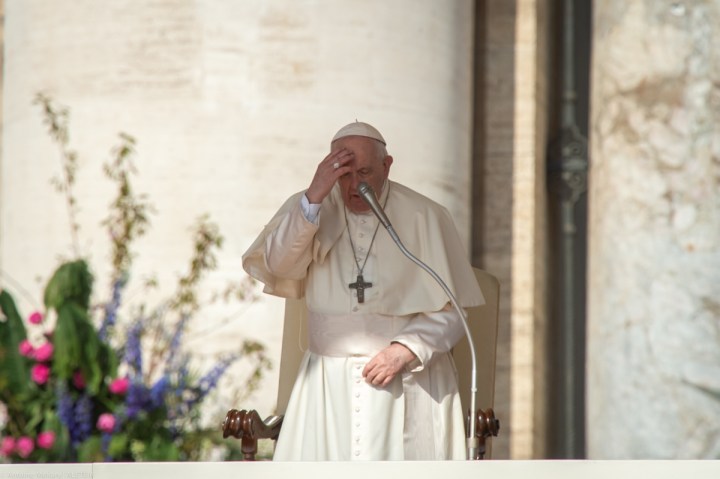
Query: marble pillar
point(232, 104)
point(529, 207)
point(514, 209)
point(653, 379)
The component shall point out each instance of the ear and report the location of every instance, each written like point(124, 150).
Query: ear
point(387, 161)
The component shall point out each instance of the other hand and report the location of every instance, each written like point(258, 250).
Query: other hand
point(386, 364)
point(328, 171)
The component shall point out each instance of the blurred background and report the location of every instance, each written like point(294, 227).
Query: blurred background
point(576, 144)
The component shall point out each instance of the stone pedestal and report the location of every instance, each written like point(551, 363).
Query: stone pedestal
point(653, 385)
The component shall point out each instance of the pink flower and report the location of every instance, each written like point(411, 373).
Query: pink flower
point(40, 373)
point(7, 446)
point(26, 349)
point(78, 380)
point(25, 446)
point(46, 439)
point(44, 352)
point(106, 422)
point(119, 386)
point(36, 318)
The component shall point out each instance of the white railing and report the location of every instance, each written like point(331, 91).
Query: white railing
point(375, 470)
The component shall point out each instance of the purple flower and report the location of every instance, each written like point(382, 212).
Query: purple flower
point(65, 409)
point(209, 381)
point(174, 349)
point(105, 443)
point(137, 399)
point(83, 417)
point(182, 381)
point(157, 392)
point(133, 351)
point(111, 309)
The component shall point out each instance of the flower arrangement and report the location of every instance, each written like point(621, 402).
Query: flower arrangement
point(86, 382)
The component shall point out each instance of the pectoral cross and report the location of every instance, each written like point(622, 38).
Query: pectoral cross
point(359, 285)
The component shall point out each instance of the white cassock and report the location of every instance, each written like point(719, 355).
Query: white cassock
point(333, 414)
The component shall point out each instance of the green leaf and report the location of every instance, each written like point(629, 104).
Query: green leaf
point(90, 450)
point(78, 346)
point(37, 415)
point(15, 368)
point(62, 444)
point(161, 449)
point(118, 447)
point(69, 338)
point(71, 283)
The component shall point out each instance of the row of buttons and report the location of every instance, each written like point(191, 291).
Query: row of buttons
point(356, 405)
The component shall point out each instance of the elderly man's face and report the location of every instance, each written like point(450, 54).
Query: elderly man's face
point(368, 165)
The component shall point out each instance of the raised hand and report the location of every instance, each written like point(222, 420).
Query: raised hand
point(328, 171)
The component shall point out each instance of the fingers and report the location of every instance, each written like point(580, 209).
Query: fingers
point(378, 376)
point(332, 167)
point(381, 370)
point(336, 163)
point(386, 364)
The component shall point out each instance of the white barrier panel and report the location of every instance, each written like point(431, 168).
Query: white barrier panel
point(373, 470)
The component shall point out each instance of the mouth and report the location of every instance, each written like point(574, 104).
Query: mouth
point(358, 203)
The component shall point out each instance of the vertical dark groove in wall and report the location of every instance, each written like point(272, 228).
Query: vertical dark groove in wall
point(567, 210)
point(478, 145)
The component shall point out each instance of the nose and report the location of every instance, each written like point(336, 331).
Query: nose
point(354, 182)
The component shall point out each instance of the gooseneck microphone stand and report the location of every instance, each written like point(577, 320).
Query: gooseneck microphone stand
point(369, 196)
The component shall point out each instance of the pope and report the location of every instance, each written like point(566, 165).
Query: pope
point(377, 381)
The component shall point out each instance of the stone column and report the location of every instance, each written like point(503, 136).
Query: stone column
point(653, 385)
point(514, 209)
point(232, 104)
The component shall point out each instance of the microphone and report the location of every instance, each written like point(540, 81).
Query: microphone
point(473, 443)
point(369, 196)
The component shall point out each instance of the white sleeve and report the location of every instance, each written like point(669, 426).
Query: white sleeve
point(430, 334)
point(288, 248)
point(310, 210)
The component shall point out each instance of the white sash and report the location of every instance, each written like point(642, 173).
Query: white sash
point(352, 334)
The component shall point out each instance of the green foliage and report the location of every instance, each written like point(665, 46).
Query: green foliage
point(77, 345)
point(79, 348)
point(128, 218)
point(70, 284)
point(106, 383)
point(12, 332)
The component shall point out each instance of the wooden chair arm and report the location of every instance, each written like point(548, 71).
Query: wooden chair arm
point(486, 426)
point(248, 426)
